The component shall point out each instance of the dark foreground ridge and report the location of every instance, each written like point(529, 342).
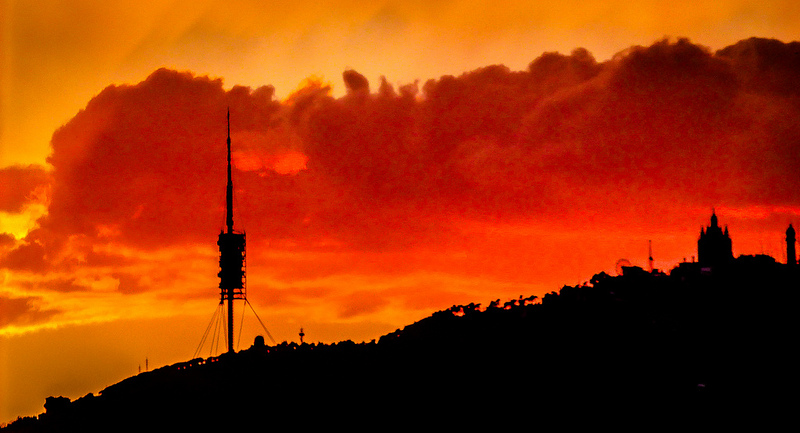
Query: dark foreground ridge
point(643, 348)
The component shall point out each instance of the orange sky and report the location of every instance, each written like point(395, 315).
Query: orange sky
point(421, 178)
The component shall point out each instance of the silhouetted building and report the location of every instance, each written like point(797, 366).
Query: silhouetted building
point(631, 271)
point(714, 248)
point(791, 255)
point(686, 271)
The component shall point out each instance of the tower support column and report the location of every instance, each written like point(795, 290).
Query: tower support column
point(230, 320)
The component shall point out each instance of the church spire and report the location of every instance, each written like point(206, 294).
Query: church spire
point(714, 247)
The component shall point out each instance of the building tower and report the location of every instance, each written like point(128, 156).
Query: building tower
point(791, 255)
point(714, 248)
point(231, 254)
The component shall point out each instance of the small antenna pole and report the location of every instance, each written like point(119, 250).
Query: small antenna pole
point(650, 256)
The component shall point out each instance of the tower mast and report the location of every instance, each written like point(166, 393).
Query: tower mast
point(231, 253)
point(650, 256)
point(229, 191)
point(229, 224)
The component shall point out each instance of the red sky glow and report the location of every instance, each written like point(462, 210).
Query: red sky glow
point(432, 154)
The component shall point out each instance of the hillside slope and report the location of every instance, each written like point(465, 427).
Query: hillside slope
point(652, 348)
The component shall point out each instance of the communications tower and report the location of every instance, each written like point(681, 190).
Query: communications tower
point(232, 283)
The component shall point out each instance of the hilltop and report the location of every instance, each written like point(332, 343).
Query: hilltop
point(640, 346)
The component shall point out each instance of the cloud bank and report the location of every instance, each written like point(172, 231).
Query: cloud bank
point(384, 171)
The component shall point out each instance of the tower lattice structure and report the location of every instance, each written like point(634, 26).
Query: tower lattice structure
point(232, 254)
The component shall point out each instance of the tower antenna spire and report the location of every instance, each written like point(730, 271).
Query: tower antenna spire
point(650, 255)
point(231, 254)
point(229, 192)
point(232, 264)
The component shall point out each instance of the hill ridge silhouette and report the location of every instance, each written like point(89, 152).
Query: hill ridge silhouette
point(644, 346)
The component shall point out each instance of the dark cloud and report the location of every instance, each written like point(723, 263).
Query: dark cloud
point(128, 284)
point(145, 163)
point(675, 122)
point(669, 125)
point(56, 284)
point(22, 311)
point(555, 71)
point(6, 240)
point(766, 65)
point(19, 184)
point(355, 82)
point(361, 303)
point(643, 135)
point(30, 257)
